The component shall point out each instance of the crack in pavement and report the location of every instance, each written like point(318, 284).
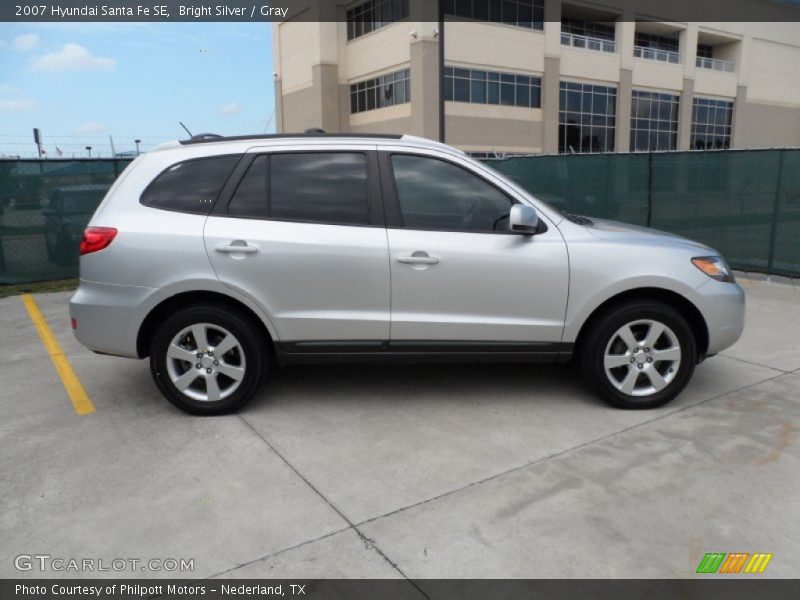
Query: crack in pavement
point(750, 362)
point(372, 544)
point(567, 450)
point(368, 542)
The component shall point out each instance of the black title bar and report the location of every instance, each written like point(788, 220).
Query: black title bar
point(331, 10)
point(705, 588)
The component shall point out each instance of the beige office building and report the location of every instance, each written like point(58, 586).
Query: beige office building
point(539, 76)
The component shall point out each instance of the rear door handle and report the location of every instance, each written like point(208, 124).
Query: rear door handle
point(232, 249)
point(418, 260)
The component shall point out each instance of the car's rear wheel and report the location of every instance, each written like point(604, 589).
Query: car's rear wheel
point(208, 360)
point(639, 354)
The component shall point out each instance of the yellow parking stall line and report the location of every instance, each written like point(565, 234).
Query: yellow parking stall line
point(80, 401)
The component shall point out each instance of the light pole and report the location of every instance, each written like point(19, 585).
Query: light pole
point(89, 150)
point(137, 142)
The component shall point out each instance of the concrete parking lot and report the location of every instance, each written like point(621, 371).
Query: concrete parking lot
point(405, 471)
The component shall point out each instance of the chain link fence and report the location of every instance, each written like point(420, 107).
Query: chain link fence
point(44, 207)
point(746, 203)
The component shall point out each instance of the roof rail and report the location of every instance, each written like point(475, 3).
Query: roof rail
point(206, 138)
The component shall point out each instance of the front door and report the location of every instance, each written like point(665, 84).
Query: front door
point(458, 273)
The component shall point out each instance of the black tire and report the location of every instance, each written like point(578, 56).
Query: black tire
point(251, 343)
point(603, 332)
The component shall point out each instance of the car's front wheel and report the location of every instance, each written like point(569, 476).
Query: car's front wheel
point(639, 354)
point(207, 359)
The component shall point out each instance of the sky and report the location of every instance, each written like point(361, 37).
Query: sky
point(81, 82)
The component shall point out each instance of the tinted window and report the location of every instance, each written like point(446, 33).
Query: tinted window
point(250, 197)
point(434, 194)
point(323, 187)
point(190, 186)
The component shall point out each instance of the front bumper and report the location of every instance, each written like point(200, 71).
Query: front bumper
point(723, 308)
point(108, 316)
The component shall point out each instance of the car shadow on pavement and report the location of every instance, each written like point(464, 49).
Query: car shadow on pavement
point(446, 382)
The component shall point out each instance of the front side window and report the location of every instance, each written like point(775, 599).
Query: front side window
point(434, 194)
point(586, 118)
point(654, 121)
point(319, 187)
point(711, 124)
point(191, 186)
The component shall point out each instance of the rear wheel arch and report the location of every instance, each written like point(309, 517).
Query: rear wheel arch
point(174, 303)
point(680, 303)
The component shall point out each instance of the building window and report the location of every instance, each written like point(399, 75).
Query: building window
point(657, 42)
point(654, 121)
point(588, 35)
point(711, 124)
point(590, 29)
point(656, 47)
point(488, 87)
point(586, 118)
point(705, 51)
point(374, 14)
point(380, 92)
point(522, 13)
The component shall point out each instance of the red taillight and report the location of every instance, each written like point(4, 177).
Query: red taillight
point(97, 238)
point(73, 321)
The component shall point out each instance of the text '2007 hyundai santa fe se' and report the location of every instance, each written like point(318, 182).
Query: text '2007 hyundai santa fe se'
point(213, 255)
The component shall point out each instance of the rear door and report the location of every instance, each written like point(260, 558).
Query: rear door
point(303, 235)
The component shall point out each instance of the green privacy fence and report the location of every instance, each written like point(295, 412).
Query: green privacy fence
point(44, 207)
point(745, 204)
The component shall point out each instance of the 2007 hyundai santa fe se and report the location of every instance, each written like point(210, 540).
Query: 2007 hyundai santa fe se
point(213, 255)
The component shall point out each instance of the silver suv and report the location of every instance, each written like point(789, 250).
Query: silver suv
point(218, 257)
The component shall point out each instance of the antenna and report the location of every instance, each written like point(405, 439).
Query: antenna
point(186, 129)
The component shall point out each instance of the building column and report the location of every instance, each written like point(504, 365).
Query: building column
point(425, 89)
point(424, 66)
point(625, 36)
point(551, 79)
point(622, 135)
point(737, 128)
point(279, 105)
point(551, 85)
point(685, 115)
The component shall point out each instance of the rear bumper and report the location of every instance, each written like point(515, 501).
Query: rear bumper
point(723, 308)
point(108, 316)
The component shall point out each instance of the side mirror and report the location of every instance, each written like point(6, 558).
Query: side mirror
point(523, 219)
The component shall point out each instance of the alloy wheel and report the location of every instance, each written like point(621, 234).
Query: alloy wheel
point(205, 362)
point(642, 357)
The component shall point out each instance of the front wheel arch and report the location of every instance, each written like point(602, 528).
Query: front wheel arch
point(687, 309)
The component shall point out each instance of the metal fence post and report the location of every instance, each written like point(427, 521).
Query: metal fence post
point(650, 187)
point(773, 238)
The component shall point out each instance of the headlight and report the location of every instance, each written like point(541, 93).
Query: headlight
point(715, 267)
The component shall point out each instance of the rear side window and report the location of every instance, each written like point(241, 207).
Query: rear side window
point(250, 197)
point(191, 186)
point(321, 187)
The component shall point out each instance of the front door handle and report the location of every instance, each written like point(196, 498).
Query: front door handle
point(234, 248)
point(418, 259)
